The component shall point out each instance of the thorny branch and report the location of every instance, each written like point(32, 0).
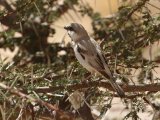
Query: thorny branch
point(136, 7)
point(126, 88)
point(39, 101)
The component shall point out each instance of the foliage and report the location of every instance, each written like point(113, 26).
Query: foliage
point(40, 72)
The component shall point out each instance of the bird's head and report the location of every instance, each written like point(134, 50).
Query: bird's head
point(76, 31)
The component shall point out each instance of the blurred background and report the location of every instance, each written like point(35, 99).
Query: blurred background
point(105, 8)
point(33, 42)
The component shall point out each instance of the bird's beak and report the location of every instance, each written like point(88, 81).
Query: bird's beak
point(66, 27)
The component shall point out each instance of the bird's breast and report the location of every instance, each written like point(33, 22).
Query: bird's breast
point(82, 59)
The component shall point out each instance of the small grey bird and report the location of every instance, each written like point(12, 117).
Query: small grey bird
point(88, 53)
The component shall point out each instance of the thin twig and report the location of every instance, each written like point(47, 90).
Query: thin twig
point(39, 101)
point(153, 6)
point(137, 7)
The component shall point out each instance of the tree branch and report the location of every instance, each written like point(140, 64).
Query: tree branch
point(126, 88)
point(59, 113)
point(136, 7)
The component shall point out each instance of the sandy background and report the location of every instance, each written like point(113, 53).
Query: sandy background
point(105, 7)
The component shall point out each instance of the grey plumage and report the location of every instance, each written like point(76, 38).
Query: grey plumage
point(89, 54)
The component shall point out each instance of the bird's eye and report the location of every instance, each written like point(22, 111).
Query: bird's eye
point(69, 28)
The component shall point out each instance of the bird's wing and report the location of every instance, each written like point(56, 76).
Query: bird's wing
point(100, 57)
point(87, 51)
point(90, 50)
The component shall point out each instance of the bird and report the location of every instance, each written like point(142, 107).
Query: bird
point(89, 54)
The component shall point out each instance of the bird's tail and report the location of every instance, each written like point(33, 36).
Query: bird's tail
point(115, 86)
